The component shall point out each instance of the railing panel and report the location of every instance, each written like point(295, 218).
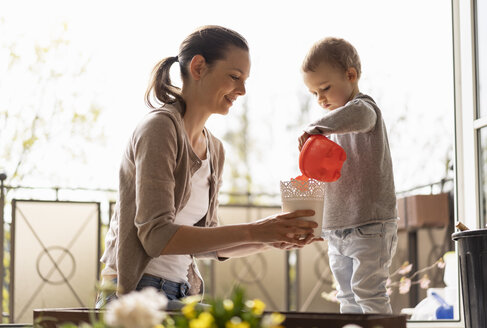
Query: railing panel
point(54, 258)
point(262, 275)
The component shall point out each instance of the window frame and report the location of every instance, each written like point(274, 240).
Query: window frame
point(466, 109)
point(467, 125)
point(479, 122)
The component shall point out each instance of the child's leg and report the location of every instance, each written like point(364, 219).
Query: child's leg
point(372, 249)
point(342, 267)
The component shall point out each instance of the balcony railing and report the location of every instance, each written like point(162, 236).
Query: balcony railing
point(286, 281)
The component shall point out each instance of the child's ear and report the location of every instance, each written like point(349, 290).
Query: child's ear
point(197, 67)
point(352, 74)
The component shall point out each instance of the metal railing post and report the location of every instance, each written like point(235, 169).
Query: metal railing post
point(3, 176)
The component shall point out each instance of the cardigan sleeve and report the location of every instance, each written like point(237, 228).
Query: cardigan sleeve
point(155, 155)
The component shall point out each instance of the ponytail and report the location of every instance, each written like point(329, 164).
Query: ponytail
point(160, 90)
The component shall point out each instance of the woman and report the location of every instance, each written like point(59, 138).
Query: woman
point(171, 172)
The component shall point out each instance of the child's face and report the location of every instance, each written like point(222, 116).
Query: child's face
point(332, 87)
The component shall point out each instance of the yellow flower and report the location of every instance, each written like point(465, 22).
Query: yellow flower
point(193, 299)
point(236, 322)
point(159, 326)
point(206, 317)
point(273, 320)
point(228, 305)
point(204, 320)
point(256, 306)
point(277, 318)
point(188, 310)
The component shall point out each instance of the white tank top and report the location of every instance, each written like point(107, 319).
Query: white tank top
point(175, 267)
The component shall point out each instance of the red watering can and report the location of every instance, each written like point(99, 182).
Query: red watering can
point(321, 159)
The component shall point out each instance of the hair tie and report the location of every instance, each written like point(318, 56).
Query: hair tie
point(176, 58)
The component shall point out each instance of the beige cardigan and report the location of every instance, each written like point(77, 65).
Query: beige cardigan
point(154, 185)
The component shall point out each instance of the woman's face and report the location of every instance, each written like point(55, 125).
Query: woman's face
point(224, 81)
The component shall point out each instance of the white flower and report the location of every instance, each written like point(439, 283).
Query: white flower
point(138, 309)
point(404, 285)
point(351, 325)
point(405, 268)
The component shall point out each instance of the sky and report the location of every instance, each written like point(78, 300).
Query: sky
point(405, 49)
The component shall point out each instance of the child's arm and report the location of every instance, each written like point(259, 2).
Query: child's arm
point(355, 116)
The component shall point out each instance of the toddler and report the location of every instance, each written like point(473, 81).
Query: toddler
point(359, 219)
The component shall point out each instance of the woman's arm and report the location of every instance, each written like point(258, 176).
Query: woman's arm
point(249, 249)
point(243, 250)
point(283, 227)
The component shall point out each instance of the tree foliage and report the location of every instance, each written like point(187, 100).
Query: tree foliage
point(240, 140)
point(48, 111)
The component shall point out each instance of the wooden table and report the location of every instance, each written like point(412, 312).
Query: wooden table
point(49, 318)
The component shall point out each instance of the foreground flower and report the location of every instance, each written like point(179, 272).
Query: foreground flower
point(273, 320)
point(204, 320)
point(138, 309)
point(188, 310)
point(233, 312)
point(256, 306)
point(192, 299)
point(228, 305)
point(236, 322)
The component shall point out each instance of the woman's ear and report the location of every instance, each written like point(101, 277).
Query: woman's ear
point(197, 67)
point(352, 74)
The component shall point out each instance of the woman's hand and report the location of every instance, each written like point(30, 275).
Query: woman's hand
point(287, 246)
point(278, 228)
point(302, 139)
point(284, 228)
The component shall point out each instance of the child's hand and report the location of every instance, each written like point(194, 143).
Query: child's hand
point(302, 139)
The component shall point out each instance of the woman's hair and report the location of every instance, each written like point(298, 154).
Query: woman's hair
point(334, 51)
point(209, 41)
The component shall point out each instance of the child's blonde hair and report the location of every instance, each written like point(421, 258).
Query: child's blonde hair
point(334, 51)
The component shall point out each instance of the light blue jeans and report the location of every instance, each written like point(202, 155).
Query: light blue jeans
point(359, 260)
